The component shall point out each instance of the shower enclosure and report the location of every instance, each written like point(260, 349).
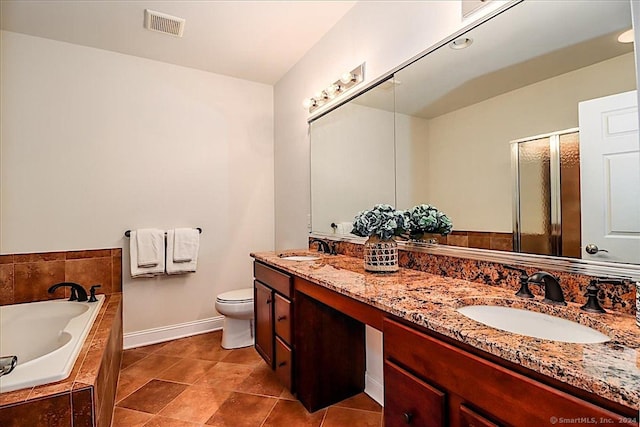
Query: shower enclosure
point(546, 202)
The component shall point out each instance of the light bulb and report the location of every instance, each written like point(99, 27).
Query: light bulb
point(309, 102)
point(331, 91)
point(346, 77)
point(461, 43)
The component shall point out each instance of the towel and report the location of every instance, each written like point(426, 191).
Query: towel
point(150, 242)
point(186, 244)
point(136, 270)
point(180, 267)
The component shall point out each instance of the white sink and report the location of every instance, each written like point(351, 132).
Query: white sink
point(532, 324)
point(300, 258)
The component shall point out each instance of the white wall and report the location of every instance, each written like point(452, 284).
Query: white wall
point(95, 143)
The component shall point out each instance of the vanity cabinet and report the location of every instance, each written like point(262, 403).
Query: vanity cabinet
point(273, 313)
point(430, 382)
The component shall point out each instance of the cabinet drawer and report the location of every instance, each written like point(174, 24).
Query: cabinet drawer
point(469, 418)
point(490, 387)
point(275, 279)
point(282, 312)
point(283, 363)
point(410, 401)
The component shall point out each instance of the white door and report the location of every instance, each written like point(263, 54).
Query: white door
point(610, 178)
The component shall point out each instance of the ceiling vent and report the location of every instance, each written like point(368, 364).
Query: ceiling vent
point(163, 23)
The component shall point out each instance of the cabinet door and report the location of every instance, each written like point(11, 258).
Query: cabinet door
point(283, 363)
point(263, 315)
point(410, 401)
point(282, 310)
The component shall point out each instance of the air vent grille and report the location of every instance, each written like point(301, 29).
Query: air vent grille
point(163, 23)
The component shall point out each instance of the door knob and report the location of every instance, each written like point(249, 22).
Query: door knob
point(593, 249)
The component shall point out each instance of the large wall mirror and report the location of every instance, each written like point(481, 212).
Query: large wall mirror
point(523, 131)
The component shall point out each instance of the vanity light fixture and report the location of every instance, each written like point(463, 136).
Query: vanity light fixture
point(626, 37)
point(334, 90)
point(461, 43)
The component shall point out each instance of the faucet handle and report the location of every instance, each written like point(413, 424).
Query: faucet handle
point(524, 291)
point(93, 298)
point(592, 305)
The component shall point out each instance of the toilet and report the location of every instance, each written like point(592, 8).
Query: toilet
point(237, 308)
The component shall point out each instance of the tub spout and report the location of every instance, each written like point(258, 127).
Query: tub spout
point(78, 293)
point(7, 364)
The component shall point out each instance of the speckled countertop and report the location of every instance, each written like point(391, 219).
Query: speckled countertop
point(610, 370)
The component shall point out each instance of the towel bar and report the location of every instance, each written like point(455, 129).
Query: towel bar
point(128, 232)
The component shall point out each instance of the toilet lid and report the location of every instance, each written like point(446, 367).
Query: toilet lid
point(239, 295)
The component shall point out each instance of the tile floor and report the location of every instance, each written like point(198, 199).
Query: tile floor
point(194, 382)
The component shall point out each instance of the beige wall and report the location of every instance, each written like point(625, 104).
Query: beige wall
point(472, 182)
point(95, 143)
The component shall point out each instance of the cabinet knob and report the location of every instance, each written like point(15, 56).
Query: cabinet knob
point(269, 301)
point(407, 417)
point(281, 318)
point(281, 364)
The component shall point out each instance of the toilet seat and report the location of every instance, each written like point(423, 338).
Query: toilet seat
point(239, 296)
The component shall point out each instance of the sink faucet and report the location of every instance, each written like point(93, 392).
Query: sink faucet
point(78, 293)
point(324, 247)
point(552, 290)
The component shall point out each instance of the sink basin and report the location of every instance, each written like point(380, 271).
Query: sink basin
point(532, 324)
point(300, 258)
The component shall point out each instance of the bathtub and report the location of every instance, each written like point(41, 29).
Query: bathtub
point(46, 336)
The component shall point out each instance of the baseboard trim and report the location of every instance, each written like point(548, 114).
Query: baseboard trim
point(374, 388)
point(172, 332)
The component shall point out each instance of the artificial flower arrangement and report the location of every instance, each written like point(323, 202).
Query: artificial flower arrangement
point(383, 222)
point(427, 219)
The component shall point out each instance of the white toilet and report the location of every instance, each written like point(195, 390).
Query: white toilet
point(237, 308)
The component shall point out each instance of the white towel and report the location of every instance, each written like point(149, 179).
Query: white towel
point(137, 271)
point(150, 243)
point(186, 244)
point(180, 267)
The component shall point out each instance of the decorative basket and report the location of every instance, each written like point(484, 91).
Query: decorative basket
point(380, 255)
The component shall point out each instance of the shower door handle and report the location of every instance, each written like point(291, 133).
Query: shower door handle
point(593, 249)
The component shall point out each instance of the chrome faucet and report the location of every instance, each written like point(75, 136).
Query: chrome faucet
point(7, 364)
point(78, 293)
point(552, 290)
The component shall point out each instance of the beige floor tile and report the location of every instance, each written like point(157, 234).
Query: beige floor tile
point(225, 376)
point(242, 410)
point(186, 370)
point(195, 404)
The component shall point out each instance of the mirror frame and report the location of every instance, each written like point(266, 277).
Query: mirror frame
point(554, 263)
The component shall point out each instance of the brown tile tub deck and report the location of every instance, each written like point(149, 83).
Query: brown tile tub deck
point(86, 397)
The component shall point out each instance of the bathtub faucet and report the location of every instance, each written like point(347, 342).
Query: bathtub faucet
point(78, 293)
point(7, 364)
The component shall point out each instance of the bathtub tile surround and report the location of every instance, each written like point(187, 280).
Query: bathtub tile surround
point(226, 388)
point(26, 277)
point(86, 397)
point(430, 300)
point(612, 297)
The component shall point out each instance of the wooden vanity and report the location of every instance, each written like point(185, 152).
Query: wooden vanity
point(313, 336)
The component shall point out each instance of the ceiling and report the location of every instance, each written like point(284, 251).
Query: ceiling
point(253, 40)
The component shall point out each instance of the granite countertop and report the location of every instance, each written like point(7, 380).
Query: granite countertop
point(610, 370)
